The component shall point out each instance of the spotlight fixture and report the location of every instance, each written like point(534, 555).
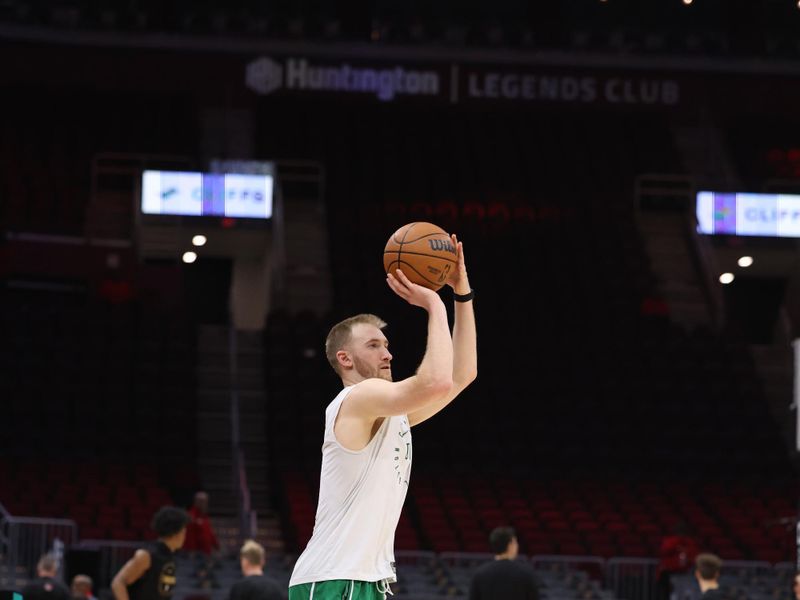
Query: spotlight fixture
point(189, 257)
point(199, 240)
point(745, 261)
point(726, 278)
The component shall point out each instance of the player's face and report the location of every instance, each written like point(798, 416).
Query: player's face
point(370, 350)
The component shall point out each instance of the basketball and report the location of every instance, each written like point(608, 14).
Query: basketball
point(423, 251)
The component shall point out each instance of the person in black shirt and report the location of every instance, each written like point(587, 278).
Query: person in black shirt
point(150, 574)
point(46, 586)
point(504, 577)
point(707, 568)
point(255, 585)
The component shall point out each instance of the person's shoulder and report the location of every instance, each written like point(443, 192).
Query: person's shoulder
point(269, 587)
point(266, 581)
point(518, 568)
point(487, 566)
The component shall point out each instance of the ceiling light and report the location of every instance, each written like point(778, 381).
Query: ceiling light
point(189, 257)
point(745, 261)
point(726, 278)
point(199, 240)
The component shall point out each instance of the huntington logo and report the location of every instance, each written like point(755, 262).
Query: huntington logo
point(265, 76)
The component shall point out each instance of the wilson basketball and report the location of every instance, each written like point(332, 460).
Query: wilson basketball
point(423, 251)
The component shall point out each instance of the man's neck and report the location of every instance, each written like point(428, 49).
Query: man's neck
point(503, 556)
point(708, 585)
point(253, 571)
point(351, 378)
point(170, 543)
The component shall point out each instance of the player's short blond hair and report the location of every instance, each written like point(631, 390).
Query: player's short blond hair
point(341, 334)
point(253, 552)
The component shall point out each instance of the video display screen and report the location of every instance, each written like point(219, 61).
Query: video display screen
point(207, 194)
point(764, 215)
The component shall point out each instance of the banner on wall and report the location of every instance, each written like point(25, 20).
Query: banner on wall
point(460, 84)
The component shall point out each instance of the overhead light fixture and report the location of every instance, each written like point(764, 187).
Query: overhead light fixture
point(745, 261)
point(726, 278)
point(199, 240)
point(189, 257)
point(687, 2)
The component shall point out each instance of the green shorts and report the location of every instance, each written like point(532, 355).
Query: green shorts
point(339, 589)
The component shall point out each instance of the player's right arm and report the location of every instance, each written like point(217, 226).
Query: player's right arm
point(434, 377)
point(130, 572)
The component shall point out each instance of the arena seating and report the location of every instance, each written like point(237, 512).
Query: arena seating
point(107, 501)
point(99, 396)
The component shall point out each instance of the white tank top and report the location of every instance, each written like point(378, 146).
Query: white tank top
point(361, 494)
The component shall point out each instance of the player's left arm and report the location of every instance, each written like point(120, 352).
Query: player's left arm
point(465, 349)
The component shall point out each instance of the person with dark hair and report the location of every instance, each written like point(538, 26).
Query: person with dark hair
point(504, 577)
point(707, 568)
point(46, 586)
point(150, 574)
point(81, 588)
point(255, 585)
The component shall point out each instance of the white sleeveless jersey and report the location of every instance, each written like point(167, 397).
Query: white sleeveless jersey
point(361, 494)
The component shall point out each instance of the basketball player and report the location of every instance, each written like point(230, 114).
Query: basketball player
point(150, 574)
point(366, 451)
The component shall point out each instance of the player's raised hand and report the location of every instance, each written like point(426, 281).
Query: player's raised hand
point(457, 279)
point(412, 293)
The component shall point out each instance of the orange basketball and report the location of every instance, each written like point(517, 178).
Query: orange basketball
point(423, 251)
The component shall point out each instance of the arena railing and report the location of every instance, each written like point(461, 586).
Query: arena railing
point(746, 568)
point(593, 565)
point(23, 540)
point(113, 555)
point(248, 519)
point(414, 558)
point(632, 578)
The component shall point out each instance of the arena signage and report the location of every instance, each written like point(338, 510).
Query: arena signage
point(265, 75)
point(764, 215)
point(494, 85)
point(455, 83)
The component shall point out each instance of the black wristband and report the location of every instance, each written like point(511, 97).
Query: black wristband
point(464, 297)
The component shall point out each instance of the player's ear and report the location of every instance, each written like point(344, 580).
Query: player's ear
point(344, 359)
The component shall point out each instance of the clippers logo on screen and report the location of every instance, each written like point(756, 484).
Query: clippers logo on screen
point(763, 215)
point(207, 194)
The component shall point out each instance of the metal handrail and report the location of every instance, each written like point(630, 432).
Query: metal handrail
point(247, 516)
point(25, 539)
point(632, 578)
